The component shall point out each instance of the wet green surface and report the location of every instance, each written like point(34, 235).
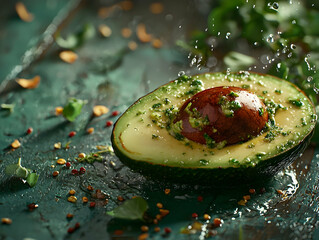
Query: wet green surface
point(109, 73)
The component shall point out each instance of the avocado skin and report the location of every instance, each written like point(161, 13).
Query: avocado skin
point(216, 176)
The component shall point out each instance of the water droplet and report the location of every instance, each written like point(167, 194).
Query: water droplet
point(309, 79)
point(270, 38)
point(293, 22)
point(227, 35)
point(293, 46)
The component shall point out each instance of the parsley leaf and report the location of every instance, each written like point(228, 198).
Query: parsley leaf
point(132, 209)
point(73, 109)
point(16, 170)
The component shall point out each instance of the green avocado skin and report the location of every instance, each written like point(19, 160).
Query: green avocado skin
point(216, 176)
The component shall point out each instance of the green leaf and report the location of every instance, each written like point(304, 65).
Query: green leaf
point(132, 209)
point(73, 109)
point(17, 170)
point(75, 40)
point(32, 179)
point(237, 61)
point(9, 107)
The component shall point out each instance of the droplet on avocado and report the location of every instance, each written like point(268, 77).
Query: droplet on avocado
point(226, 115)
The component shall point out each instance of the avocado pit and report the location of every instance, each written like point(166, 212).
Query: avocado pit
point(225, 115)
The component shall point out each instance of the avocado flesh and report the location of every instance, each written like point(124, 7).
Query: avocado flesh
point(140, 137)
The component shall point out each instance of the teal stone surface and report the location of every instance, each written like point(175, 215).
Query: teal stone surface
point(107, 72)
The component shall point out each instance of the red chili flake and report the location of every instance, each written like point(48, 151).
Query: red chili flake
point(30, 130)
point(71, 230)
point(115, 113)
point(77, 225)
point(118, 232)
point(92, 204)
point(74, 172)
point(194, 215)
point(200, 198)
point(32, 206)
point(82, 170)
point(109, 123)
point(68, 164)
point(72, 134)
point(252, 191)
point(167, 230)
point(217, 222)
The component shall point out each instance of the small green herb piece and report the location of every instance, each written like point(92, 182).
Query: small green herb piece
point(132, 209)
point(296, 102)
point(278, 91)
point(16, 170)
point(261, 111)
point(9, 107)
point(32, 179)
point(75, 40)
point(233, 94)
point(209, 141)
point(156, 105)
point(203, 162)
point(73, 109)
point(154, 136)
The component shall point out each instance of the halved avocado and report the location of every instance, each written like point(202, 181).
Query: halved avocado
point(146, 139)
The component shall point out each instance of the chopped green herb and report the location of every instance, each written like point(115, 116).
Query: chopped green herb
point(9, 107)
point(209, 141)
point(132, 209)
point(156, 105)
point(296, 102)
point(16, 170)
point(73, 109)
point(154, 136)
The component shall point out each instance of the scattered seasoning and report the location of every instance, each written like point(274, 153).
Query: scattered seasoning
point(109, 123)
point(158, 217)
point(85, 199)
point(68, 56)
point(29, 130)
point(82, 155)
point(92, 204)
point(72, 199)
point(120, 198)
point(252, 191)
point(115, 113)
point(32, 206)
point(61, 161)
point(156, 8)
point(163, 212)
point(23, 13)
point(167, 230)
point(242, 202)
point(217, 222)
point(74, 172)
point(155, 221)
point(200, 198)
point(29, 83)
point(167, 191)
point(126, 5)
point(69, 216)
point(90, 130)
point(280, 192)
point(105, 30)
point(99, 110)
point(142, 35)
point(77, 225)
point(194, 215)
point(57, 145)
point(72, 134)
point(126, 32)
point(142, 236)
point(55, 173)
point(157, 43)
point(15, 144)
point(7, 221)
point(118, 232)
point(72, 192)
point(68, 165)
point(246, 197)
point(90, 188)
point(157, 229)
point(82, 170)
point(58, 110)
point(71, 230)
point(206, 216)
point(144, 228)
point(132, 45)
point(159, 205)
